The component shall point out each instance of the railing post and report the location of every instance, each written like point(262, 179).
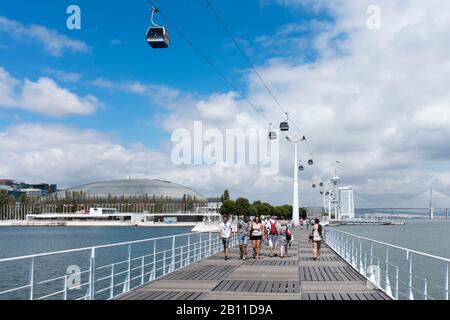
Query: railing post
point(129, 269)
point(154, 260)
point(142, 271)
point(210, 248)
point(446, 282)
point(425, 289)
point(111, 292)
point(31, 278)
point(371, 253)
point(387, 284)
point(360, 267)
point(182, 260)
point(396, 283)
point(65, 288)
point(411, 296)
point(353, 252)
point(164, 263)
point(365, 263)
point(195, 252)
point(173, 254)
point(189, 250)
point(92, 276)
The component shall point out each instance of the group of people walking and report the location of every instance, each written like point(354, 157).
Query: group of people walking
point(276, 233)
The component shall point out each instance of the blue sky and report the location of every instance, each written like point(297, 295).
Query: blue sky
point(100, 104)
point(118, 52)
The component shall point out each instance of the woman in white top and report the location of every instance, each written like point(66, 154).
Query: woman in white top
point(256, 234)
point(316, 237)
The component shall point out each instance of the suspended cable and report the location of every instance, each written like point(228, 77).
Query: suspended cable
point(246, 57)
point(211, 64)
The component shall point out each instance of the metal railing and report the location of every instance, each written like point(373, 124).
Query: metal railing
point(104, 271)
point(402, 273)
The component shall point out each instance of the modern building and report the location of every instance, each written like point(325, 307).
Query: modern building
point(346, 209)
point(214, 205)
point(17, 188)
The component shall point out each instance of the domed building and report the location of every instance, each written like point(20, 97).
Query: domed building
point(135, 188)
point(132, 201)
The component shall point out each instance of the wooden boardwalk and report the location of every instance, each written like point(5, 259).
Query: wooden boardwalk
point(295, 278)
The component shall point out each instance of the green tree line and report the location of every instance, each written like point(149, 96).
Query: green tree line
point(243, 207)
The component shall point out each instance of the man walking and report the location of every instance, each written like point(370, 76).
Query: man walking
point(273, 235)
point(225, 235)
point(242, 231)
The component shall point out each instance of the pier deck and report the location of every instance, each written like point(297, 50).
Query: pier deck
point(295, 278)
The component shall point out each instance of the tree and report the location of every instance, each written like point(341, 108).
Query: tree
point(228, 208)
point(225, 196)
point(263, 209)
point(243, 207)
point(252, 212)
point(23, 198)
point(303, 213)
point(3, 196)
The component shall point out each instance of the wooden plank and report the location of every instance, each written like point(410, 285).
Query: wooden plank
point(269, 286)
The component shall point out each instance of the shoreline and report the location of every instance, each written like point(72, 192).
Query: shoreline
point(196, 227)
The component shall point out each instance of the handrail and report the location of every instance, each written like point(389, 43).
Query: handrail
point(346, 245)
point(394, 246)
point(159, 264)
point(98, 247)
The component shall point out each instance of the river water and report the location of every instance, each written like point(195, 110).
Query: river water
point(431, 237)
point(428, 236)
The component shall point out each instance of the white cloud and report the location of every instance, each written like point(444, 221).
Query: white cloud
point(70, 156)
point(44, 96)
point(52, 41)
point(377, 101)
point(64, 75)
point(162, 94)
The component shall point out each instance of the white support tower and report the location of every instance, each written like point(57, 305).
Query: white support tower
point(295, 139)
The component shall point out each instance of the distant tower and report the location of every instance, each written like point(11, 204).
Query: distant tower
point(431, 205)
point(335, 180)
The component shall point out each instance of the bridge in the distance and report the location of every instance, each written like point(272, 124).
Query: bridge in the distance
point(429, 202)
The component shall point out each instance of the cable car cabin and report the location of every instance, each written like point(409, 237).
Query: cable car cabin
point(310, 162)
point(272, 135)
point(284, 126)
point(301, 168)
point(314, 186)
point(321, 184)
point(158, 37)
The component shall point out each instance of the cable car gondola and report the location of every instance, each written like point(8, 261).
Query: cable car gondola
point(314, 186)
point(310, 162)
point(284, 126)
point(157, 36)
point(272, 133)
point(301, 168)
point(321, 184)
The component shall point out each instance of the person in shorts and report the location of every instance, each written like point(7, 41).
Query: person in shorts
point(257, 235)
point(225, 234)
point(242, 231)
point(282, 239)
point(273, 235)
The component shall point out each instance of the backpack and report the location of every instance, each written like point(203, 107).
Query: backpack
point(288, 235)
point(273, 229)
point(319, 229)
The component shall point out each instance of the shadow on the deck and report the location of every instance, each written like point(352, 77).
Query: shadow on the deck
point(295, 278)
